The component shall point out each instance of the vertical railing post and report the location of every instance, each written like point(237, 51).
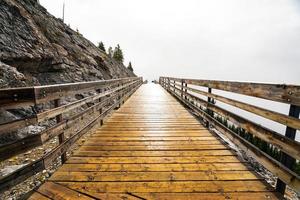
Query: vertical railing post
point(181, 89)
point(174, 87)
point(169, 88)
point(61, 136)
point(124, 92)
point(185, 90)
point(209, 100)
point(101, 109)
point(166, 83)
point(285, 159)
point(119, 96)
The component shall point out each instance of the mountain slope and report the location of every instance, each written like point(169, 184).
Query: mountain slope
point(36, 49)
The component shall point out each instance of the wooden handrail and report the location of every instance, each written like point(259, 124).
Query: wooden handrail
point(284, 93)
point(19, 97)
point(39, 117)
point(283, 143)
point(289, 94)
point(272, 115)
point(106, 95)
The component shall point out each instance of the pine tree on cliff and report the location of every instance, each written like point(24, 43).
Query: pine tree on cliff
point(101, 46)
point(130, 67)
point(118, 54)
point(110, 52)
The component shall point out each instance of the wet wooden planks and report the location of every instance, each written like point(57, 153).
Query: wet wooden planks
point(153, 148)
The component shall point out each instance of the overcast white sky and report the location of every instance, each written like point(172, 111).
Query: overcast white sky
point(246, 40)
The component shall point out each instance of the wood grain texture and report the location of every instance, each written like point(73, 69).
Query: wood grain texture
point(153, 148)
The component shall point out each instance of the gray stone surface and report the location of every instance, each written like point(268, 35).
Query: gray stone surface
point(37, 49)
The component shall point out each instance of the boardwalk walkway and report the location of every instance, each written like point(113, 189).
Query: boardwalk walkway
point(153, 148)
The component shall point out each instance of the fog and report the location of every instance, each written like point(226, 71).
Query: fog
point(242, 40)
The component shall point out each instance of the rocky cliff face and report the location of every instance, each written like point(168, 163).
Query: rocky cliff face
point(36, 49)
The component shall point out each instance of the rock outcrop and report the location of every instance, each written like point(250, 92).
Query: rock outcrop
point(37, 49)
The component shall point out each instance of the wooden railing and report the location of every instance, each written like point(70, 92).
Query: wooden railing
point(94, 101)
point(236, 127)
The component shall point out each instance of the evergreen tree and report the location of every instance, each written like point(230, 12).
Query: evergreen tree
point(110, 52)
point(130, 67)
point(118, 54)
point(101, 46)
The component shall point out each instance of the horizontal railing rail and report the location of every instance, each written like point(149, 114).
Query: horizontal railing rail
point(15, 97)
point(57, 103)
point(245, 132)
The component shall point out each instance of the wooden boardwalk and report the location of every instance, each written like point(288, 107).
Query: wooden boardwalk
point(153, 148)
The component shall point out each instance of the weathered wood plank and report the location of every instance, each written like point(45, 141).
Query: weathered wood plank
point(38, 196)
point(154, 167)
point(136, 160)
point(17, 124)
point(209, 196)
point(106, 138)
point(175, 186)
point(156, 153)
point(149, 128)
point(153, 176)
point(56, 191)
point(21, 174)
point(95, 142)
point(50, 92)
point(154, 148)
point(151, 134)
point(17, 97)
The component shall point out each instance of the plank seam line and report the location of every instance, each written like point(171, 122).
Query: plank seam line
point(198, 170)
point(152, 181)
point(134, 156)
point(134, 195)
point(149, 163)
point(42, 194)
point(75, 190)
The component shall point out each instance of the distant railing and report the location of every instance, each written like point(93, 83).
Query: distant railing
point(100, 97)
point(187, 91)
